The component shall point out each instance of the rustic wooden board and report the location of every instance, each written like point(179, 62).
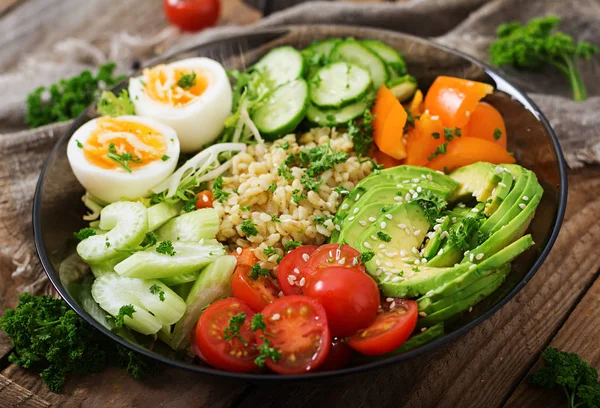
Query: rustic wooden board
point(13, 395)
point(580, 335)
point(479, 369)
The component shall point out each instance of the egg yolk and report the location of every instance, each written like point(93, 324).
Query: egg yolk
point(123, 144)
point(174, 86)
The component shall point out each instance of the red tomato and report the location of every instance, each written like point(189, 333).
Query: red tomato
point(350, 298)
point(390, 329)
point(339, 356)
point(257, 293)
point(297, 328)
point(335, 255)
point(192, 15)
point(292, 271)
point(204, 199)
point(233, 354)
point(245, 256)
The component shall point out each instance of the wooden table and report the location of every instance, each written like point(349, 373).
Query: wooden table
point(488, 367)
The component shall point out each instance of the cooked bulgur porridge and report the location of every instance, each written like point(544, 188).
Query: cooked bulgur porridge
point(280, 206)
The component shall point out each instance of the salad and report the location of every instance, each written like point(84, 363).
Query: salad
point(315, 207)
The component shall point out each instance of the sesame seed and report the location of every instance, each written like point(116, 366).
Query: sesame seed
point(479, 257)
point(362, 223)
point(441, 251)
point(338, 228)
point(475, 210)
point(357, 197)
point(499, 169)
point(470, 309)
point(367, 245)
point(290, 280)
point(383, 224)
point(424, 260)
point(389, 264)
point(275, 316)
point(345, 206)
point(472, 266)
point(415, 250)
point(453, 219)
point(423, 176)
point(417, 232)
point(403, 252)
point(292, 277)
point(296, 270)
point(351, 218)
point(393, 304)
point(399, 185)
point(444, 234)
point(419, 189)
point(373, 237)
point(302, 281)
point(461, 205)
point(355, 210)
point(402, 226)
point(407, 231)
point(372, 219)
point(280, 294)
point(437, 227)
point(411, 191)
point(417, 262)
point(389, 216)
point(205, 198)
point(239, 250)
point(398, 198)
point(471, 257)
point(406, 181)
point(502, 184)
point(415, 195)
point(407, 197)
point(416, 180)
point(305, 257)
point(377, 262)
point(381, 246)
point(423, 329)
point(405, 259)
point(389, 299)
point(525, 198)
point(422, 314)
point(522, 206)
point(441, 219)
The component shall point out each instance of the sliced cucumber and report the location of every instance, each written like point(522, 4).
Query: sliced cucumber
point(318, 52)
point(160, 213)
point(403, 87)
point(339, 84)
point(105, 267)
point(179, 279)
point(192, 226)
point(328, 117)
point(149, 264)
point(354, 52)
point(126, 223)
point(282, 65)
point(282, 110)
point(213, 283)
point(151, 313)
point(391, 57)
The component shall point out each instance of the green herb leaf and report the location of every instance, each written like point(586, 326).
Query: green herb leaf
point(157, 290)
point(85, 233)
point(111, 105)
point(256, 271)
point(249, 228)
point(166, 248)
point(233, 329)
point(187, 81)
point(497, 134)
point(366, 256)
point(218, 193)
point(383, 236)
point(258, 322)
point(266, 351)
point(290, 245)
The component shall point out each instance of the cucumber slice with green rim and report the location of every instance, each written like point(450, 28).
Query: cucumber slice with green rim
point(354, 52)
point(391, 57)
point(282, 65)
point(106, 267)
point(192, 226)
point(112, 292)
point(282, 110)
point(179, 279)
point(213, 283)
point(328, 117)
point(160, 213)
point(149, 264)
point(403, 87)
point(126, 223)
point(318, 52)
point(339, 84)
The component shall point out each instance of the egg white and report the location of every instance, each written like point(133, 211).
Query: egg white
point(111, 185)
point(200, 121)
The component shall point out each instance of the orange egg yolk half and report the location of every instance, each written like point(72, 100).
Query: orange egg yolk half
point(123, 144)
point(175, 86)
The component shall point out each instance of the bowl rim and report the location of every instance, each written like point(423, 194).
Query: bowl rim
point(260, 377)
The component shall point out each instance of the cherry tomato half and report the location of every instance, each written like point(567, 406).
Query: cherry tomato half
point(192, 15)
point(339, 356)
point(390, 329)
point(350, 298)
point(292, 272)
point(233, 354)
point(335, 255)
point(257, 293)
point(297, 328)
point(245, 256)
point(204, 199)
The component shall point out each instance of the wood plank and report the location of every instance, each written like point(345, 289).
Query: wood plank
point(580, 335)
point(114, 387)
point(478, 369)
point(13, 395)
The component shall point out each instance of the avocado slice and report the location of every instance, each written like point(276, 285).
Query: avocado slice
point(475, 180)
point(420, 339)
point(507, 234)
point(436, 238)
point(500, 192)
point(462, 304)
point(521, 203)
point(355, 225)
point(475, 287)
point(404, 282)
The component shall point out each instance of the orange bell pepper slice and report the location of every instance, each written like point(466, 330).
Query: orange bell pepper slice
point(423, 139)
point(388, 125)
point(416, 105)
point(387, 161)
point(468, 150)
point(487, 123)
point(455, 99)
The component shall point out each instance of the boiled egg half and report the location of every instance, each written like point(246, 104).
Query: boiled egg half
point(193, 96)
point(122, 157)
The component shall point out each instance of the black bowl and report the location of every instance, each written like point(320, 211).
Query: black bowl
point(57, 209)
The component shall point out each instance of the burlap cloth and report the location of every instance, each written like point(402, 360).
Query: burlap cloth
point(467, 25)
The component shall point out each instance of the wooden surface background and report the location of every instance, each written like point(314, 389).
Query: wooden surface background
point(488, 367)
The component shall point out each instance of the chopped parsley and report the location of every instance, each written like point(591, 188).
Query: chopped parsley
point(497, 134)
point(290, 245)
point(383, 236)
point(81, 146)
point(111, 105)
point(84, 233)
point(321, 219)
point(166, 248)
point(341, 190)
point(435, 135)
point(462, 232)
point(366, 256)
point(457, 132)
point(218, 193)
point(441, 149)
point(432, 204)
point(265, 351)
point(311, 183)
point(233, 329)
point(107, 244)
point(360, 132)
point(150, 239)
point(274, 218)
point(186, 81)
point(285, 172)
point(410, 118)
point(258, 322)
point(256, 271)
point(245, 208)
point(415, 269)
point(122, 160)
point(298, 196)
point(127, 310)
point(268, 251)
point(157, 290)
point(272, 187)
point(165, 158)
point(285, 145)
point(249, 228)
point(448, 134)
point(190, 205)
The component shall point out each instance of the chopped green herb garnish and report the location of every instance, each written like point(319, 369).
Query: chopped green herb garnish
point(290, 245)
point(272, 187)
point(366, 256)
point(265, 351)
point(111, 105)
point(457, 132)
point(415, 269)
point(165, 158)
point(85, 233)
point(448, 134)
point(79, 144)
point(432, 204)
point(190, 205)
point(497, 134)
point(187, 81)
point(157, 290)
point(341, 190)
point(435, 135)
point(249, 228)
point(122, 160)
point(107, 244)
point(233, 329)
point(285, 145)
point(256, 271)
point(245, 208)
point(218, 193)
point(127, 310)
point(310, 183)
point(166, 248)
point(268, 251)
point(360, 132)
point(441, 149)
point(383, 236)
point(285, 172)
point(275, 219)
point(321, 219)
point(258, 322)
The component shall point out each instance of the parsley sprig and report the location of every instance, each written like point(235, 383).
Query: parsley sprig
point(256, 271)
point(166, 248)
point(187, 81)
point(123, 159)
point(233, 329)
